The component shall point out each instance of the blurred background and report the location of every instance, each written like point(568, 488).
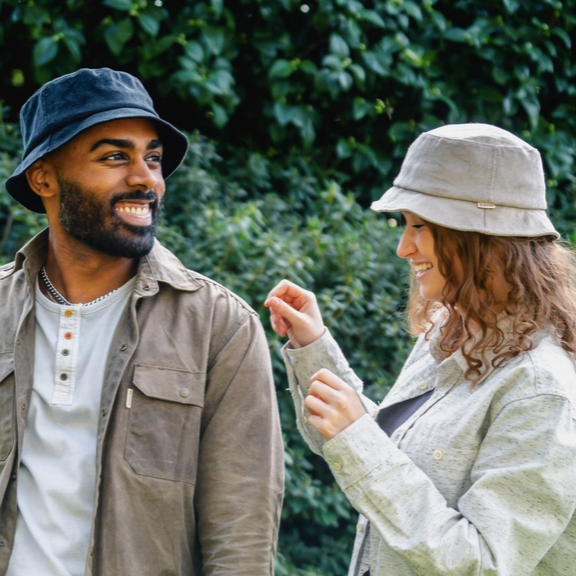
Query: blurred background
point(299, 114)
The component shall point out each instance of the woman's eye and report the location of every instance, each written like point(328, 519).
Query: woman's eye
point(417, 225)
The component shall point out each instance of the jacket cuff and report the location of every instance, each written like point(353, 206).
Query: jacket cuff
point(358, 450)
point(306, 361)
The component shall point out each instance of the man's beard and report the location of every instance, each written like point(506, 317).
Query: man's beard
point(94, 222)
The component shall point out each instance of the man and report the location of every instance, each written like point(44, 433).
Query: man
point(139, 433)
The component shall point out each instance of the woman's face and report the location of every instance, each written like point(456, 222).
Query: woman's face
point(417, 246)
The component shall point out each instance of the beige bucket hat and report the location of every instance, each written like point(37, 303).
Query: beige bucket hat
point(472, 177)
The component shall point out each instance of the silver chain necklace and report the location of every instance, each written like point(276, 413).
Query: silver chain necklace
point(58, 298)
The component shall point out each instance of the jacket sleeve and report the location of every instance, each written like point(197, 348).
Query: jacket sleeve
point(521, 499)
point(241, 462)
point(302, 364)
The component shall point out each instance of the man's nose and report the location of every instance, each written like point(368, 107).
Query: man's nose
point(144, 176)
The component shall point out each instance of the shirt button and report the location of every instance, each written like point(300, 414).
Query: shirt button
point(423, 385)
point(63, 377)
point(65, 352)
point(103, 412)
point(68, 335)
point(2, 543)
point(184, 392)
point(337, 466)
point(360, 527)
point(68, 313)
point(13, 477)
point(437, 455)
point(305, 419)
point(146, 287)
point(24, 407)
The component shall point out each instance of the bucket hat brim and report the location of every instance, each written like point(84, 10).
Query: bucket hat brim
point(467, 216)
point(175, 145)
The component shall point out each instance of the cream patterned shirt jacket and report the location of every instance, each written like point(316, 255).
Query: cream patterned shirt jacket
point(478, 481)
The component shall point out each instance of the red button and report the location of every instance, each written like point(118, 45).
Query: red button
point(68, 335)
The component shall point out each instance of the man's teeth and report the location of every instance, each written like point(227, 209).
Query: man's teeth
point(134, 209)
point(422, 267)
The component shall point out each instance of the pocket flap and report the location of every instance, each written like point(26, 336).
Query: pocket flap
point(170, 385)
point(6, 364)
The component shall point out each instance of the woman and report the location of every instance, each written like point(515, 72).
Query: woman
point(469, 464)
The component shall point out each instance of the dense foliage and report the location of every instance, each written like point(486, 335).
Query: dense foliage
point(299, 114)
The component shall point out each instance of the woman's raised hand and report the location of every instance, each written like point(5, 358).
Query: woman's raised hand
point(295, 313)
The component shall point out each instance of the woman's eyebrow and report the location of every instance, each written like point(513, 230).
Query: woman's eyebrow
point(124, 143)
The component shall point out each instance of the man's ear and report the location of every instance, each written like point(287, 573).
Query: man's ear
point(42, 179)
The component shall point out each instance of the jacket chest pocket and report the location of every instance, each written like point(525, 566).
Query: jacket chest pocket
point(164, 423)
point(6, 406)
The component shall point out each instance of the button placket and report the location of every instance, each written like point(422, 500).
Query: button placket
point(67, 355)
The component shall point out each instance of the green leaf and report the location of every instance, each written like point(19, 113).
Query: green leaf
point(118, 34)
point(214, 39)
point(217, 6)
point(308, 67)
point(338, 46)
point(457, 35)
point(73, 48)
point(283, 113)
point(124, 5)
point(344, 148)
point(358, 72)
point(373, 17)
point(44, 51)
point(412, 9)
point(194, 51)
point(345, 81)
point(281, 69)
point(511, 5)
point(149, 24)
point(373, 62)
point(412, 57)
point(220, 115)
point(563, 35)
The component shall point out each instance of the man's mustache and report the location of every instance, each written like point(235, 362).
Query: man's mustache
point(136, 195)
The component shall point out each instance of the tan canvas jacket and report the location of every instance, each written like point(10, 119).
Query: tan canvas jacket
point(479, 481)
point(190, 477)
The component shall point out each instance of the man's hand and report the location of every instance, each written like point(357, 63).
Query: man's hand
point(333, 404)
point(294, 312)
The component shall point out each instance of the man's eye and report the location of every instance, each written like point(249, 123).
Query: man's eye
point(155, 158)
point(114, 156)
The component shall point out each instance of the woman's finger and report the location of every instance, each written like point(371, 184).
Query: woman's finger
point(330, 379)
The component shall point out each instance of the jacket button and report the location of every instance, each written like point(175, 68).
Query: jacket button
point(184, 392)
point(146, 287)
point(123, 348)
point(13, 477)
point(423, 385)
point(360, 527)
point(437, 455)
point(337, 466)
point(2, 543)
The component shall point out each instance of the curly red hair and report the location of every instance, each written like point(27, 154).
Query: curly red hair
point(540, 275)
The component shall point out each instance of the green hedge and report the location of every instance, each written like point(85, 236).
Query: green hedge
point(299, 113)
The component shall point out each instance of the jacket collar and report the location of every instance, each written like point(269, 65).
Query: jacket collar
point(159, 266)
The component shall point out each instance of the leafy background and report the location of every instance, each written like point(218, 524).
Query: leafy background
point(299, 113)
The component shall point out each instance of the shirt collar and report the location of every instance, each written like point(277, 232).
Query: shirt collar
point(160, 265)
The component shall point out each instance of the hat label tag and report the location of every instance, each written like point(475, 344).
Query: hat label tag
point(486, 206)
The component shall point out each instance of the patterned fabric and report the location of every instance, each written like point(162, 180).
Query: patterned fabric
point(478, 481)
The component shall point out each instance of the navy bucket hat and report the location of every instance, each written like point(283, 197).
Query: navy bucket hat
point(67, 105)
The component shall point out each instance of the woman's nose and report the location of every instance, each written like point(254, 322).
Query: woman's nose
point(406, 246)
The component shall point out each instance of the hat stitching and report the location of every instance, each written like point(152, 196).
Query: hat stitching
point(528, 148)
point(492, 172)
